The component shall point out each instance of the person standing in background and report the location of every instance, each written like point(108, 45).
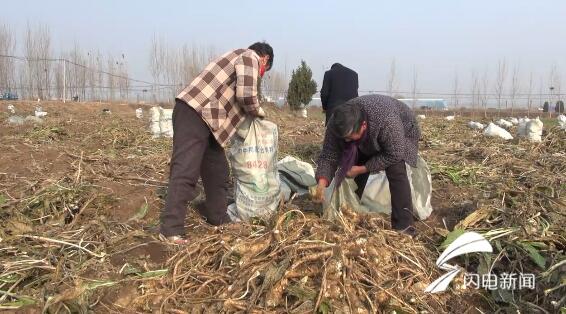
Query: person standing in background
point(340, 84)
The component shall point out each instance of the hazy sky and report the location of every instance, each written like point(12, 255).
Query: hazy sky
point(436, 37)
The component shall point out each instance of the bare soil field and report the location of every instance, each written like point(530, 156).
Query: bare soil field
point(80, 196)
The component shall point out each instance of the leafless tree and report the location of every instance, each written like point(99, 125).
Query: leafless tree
point(540, 91)
point(485, 94)
point(274, 84)
point(91, 75)
point(456, 90)
point(515, 86)
point(181, 65)
point(111, 78)
point(38, 53)
point(100, 75)
point(500, 81)
point(474, 92)
point(392, 80)
point(7, 66)
point(172, 71)
point(77, 73)
point(555, 83)
point(157, 61)
point(58, 77)
point(30, 83)
point(414, 89)
point(529, 95)
point(123, 81)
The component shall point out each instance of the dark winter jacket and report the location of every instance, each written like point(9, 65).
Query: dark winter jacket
point(393, 136)
point(340, 84)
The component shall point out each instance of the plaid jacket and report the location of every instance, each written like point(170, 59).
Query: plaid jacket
point(224, 92)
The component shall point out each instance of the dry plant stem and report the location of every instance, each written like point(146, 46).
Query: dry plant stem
point(101, 255)
point(145, 180)
point(218, 266)
point(85, 205)
point(8, 292)
point(77, 179)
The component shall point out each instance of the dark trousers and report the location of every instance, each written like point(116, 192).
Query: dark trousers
point(329, 111)
point(400, 189)
point(196, 153)
point(328, 114)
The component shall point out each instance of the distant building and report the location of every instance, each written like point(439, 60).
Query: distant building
point(431, 104)
point(8, 96)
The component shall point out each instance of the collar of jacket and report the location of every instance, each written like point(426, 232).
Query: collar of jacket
point(255, 55)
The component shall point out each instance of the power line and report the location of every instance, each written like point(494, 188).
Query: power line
point(85, 67)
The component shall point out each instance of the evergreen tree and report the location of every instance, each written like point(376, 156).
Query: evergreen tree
point(301, 87)
point(559, 107)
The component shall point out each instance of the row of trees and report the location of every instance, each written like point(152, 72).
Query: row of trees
point(92, 75)
point(87, 75)
point(173, 67)
point(506, 91)
point(302, 87)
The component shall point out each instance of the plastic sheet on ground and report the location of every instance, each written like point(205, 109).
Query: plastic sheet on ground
point(296, 176)
point(476, 125)
point(33, 119)
point(17, 120)
point(504, 123)
point(39, 112)
point(562, 121)
point(377, 198)
point(495, 131)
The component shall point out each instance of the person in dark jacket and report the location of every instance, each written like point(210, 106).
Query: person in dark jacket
point(369, 134)
point(340, 84)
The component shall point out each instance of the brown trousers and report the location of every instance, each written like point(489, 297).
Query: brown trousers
point(196, 153)
point(400, 189)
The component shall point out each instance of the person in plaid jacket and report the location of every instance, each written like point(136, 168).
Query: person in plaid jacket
point(206, 115)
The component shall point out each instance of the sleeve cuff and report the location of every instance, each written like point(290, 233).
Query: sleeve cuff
point(325, 178)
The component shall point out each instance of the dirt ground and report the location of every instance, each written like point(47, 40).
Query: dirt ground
point(98, 180)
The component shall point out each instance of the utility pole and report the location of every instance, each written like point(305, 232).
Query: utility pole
point(64, 80)
point(550, 102)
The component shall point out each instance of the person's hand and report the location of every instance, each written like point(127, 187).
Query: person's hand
point(318, 196)
point(356, 171)
point(261, 113)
